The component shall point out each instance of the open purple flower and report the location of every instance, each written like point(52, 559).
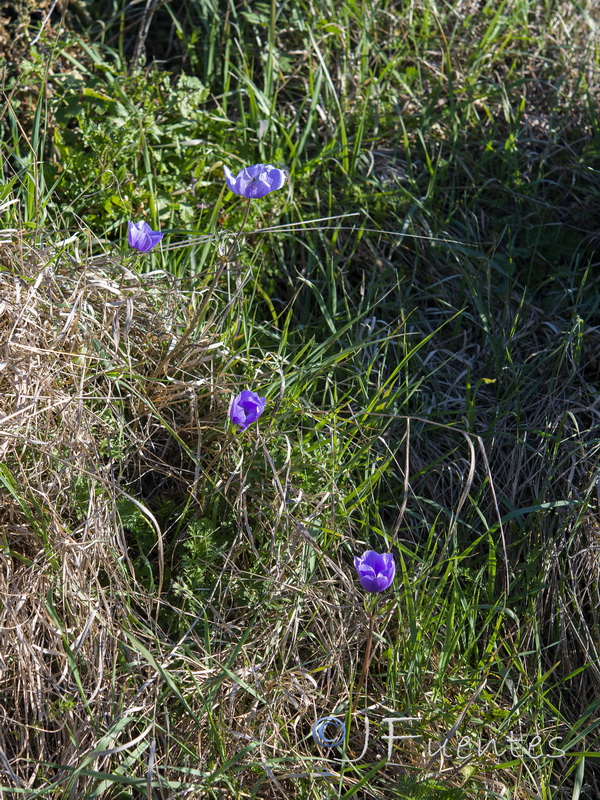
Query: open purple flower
point(255, 181)
point(376, 571)
point(246, 408)
point(142, 237)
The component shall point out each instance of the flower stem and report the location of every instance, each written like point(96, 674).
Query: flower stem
point(239, 233)
point(366, 661)
point(162, 366)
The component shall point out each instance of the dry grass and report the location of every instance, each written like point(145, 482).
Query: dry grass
point(91, 416)
point(82, 422)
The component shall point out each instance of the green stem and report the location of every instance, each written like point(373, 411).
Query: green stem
point(366, 661)
point(192, 325)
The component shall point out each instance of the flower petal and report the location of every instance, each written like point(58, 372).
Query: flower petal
point(255, 181)
point(246, 408)
point(375, 570)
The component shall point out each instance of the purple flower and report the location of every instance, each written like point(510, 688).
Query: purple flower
point(246, 408)
point(376, 571)
point(255, 181)
point(142, 237)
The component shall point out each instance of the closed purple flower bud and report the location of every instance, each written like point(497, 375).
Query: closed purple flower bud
point(246, 408)
point(255, 181)
point(142, 237)
point(376, 571)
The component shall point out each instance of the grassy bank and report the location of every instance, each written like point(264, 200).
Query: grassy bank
point(419, 305)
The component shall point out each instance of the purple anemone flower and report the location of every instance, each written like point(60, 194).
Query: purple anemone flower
point(246, 408)
point(255, 181)
point(376, 571)
point(142, 237)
